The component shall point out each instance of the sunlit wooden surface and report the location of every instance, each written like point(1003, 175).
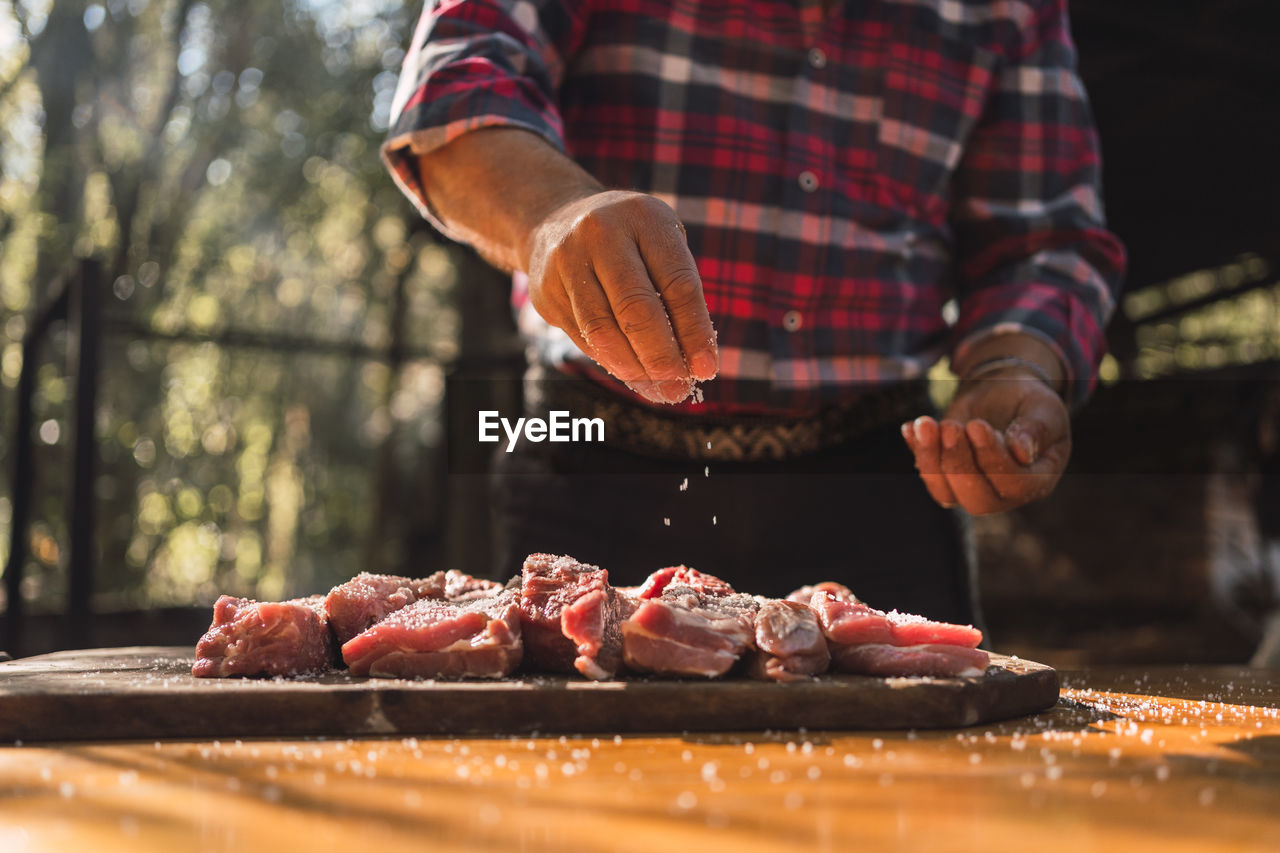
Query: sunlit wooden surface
point(1185, 759)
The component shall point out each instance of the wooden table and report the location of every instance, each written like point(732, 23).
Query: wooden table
point(1166, 759)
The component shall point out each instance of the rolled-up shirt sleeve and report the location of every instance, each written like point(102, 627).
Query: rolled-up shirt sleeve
point(1033, 252)
point(475, 64)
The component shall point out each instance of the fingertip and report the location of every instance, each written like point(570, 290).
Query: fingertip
point(950, 434)
point(979, 433)
point(674, 390)
point(925, 429)
point(1023, 447)
point(704, 365)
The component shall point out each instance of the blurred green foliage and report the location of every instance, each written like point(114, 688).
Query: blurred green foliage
point(220, 159)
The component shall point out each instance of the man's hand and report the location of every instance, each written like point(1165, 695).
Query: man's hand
point(1003, 442)
point(613, 270)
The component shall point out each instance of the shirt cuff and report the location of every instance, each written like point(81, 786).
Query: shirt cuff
point(1062, 321)
point(402, 148)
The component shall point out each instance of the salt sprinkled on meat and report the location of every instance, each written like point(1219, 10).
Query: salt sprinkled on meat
point(478, 638)
point(790, 645)
point(265, 638)
point(688, 623)
point(366, 599)
point(571, 617)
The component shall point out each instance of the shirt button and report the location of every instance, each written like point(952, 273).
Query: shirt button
point(817, 57)
point(792, 321)
point(808, 181)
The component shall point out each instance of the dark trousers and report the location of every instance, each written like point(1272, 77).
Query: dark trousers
point(857, 514)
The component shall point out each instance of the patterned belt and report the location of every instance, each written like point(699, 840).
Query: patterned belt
point(674, 435)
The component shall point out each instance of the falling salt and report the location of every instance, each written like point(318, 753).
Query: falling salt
point(684, 486)
point(706, 472)
point(667, 522)
point(713, 519)
point(686, 800)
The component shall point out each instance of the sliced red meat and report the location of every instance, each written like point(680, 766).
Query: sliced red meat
point(838, 591)
point(570, 617)
point(265, 638)
point(852, 622)
point(685, 630)
point(682, 576)
point(790, 645)
point(463, 587)
point(367, 598)
point(924, 659)
point(478, 638)
point(594, 623)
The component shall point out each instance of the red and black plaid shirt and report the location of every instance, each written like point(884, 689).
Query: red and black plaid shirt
point(842, 175)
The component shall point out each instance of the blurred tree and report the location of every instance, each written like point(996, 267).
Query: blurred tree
point(277, 325)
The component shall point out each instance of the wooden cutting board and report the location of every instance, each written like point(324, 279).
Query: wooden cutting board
point(148, 693)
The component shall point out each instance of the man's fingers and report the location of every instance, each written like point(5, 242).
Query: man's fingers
point(922, 437)
point(675, 275)
point(972, 489)
point(1027, 436)
point(593, 318)
point(1014, 482)
point(642, 317)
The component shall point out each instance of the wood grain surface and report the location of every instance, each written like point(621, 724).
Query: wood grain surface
point(1168, 760)
point(150, 693)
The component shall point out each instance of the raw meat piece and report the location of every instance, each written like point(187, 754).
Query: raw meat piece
point(367, 598)
point(838, 591)
point(571, 616)
point(265, 638)
point(852, 622)
point(675, 576)
point(924, 659)
point(789, 643)
point(686, 630)
point(459, 586)
point(430, 638)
